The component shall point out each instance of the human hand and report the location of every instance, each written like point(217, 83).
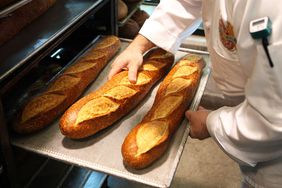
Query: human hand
point(197, 119)
point(130, 59)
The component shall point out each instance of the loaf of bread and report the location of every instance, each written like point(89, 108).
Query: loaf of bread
point(21, 17)
point(140, 16)
point(150, 138)
point(129, 30)
point(122, 10)
point(41, 110)
point(115, 98)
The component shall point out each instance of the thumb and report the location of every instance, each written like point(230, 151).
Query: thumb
point(188, 114)
point(116, 68)
point(201, 108)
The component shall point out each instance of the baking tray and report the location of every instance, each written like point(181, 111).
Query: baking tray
point(101, 152)
point(44, 32)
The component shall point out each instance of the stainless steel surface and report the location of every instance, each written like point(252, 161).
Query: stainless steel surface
point(42, 32)
point(101, 152)
point(7, 11)
point(194, 51)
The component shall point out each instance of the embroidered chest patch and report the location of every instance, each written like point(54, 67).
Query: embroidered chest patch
point(227, 36)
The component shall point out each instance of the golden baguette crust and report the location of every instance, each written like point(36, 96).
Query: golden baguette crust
point(64, 90)
point(150, 138)
point(114, 99)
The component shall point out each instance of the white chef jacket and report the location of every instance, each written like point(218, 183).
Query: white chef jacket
point(250, 133)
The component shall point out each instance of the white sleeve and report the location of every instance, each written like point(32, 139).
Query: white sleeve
point(245, 134)
point(252, 131)
point(171, 22)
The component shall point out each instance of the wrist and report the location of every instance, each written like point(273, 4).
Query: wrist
point(211, 122)
point(140, 44)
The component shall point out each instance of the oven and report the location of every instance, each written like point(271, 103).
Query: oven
point(30, 60)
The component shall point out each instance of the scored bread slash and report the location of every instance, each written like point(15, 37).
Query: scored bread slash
point(115, 98)
point(149, 139)
point(44, 108)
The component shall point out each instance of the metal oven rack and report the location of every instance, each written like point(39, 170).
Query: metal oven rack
point(51, 33)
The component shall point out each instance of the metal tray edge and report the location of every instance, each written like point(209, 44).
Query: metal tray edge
point(128, 175)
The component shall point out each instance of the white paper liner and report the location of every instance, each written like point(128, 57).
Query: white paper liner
point(102, 152)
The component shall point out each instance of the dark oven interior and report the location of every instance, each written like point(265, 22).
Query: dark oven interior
point(29, 73)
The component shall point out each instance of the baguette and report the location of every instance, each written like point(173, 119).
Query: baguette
point(122, 10)
point(146, 142)
point(115, 98)
point(63, 91)
point(140, 16)
point(21, 17)
point(129, 30)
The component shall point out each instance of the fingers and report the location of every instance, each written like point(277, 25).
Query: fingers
point(128, 60)
point(131, 67)
point(116, 68)
point(191, 133)
point(197, 122)
point(188, 114)
point(201, 108)
point(132, 73)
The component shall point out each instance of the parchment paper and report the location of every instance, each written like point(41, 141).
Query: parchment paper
point(102, 152)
